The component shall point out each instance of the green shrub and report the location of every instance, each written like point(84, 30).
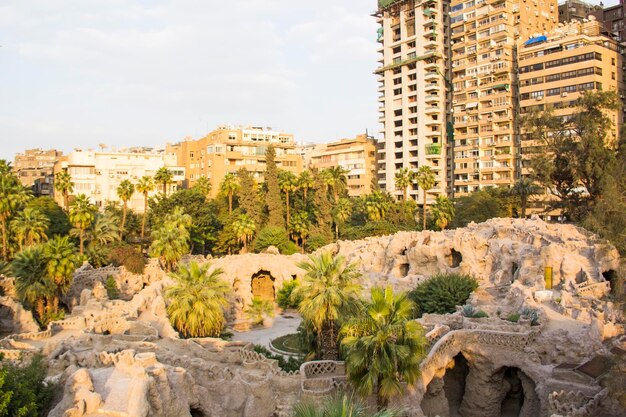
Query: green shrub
point(381, 228)
point(514, 317)
point(316, 241)
point(111, 286)
point(468, 310)
point(291, 364)
point(271, 236)
point(442, 293)
point(480, 314)
point(22, 390)
point(289, 248)
point(530, 314)
point(259, 310)
point(129, 257)
point(284, 296)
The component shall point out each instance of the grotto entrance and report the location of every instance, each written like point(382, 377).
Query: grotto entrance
point(263, 286)
point(196, 412)
point(443, 396)
point(508, 392)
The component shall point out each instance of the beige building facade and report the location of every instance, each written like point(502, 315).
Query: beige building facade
point(555, 70)
point(356, 156)
point(97, 174)
point(35, 168)
point(484, 103)
point(412, 88)
point(231, 148)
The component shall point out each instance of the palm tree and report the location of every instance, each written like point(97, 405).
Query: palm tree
point(31, 281)
point(63, 183)
point(335, 178)
point(30, 226)
point(244, 228)
point(197, 300)
point(404, 179)
point(228, 186)
point(426, 180)
point(299, 227)
point(443, 211)
point(82, 215)
point(103, 231)
point(329, 291)
point(384, 346)
point(163, 176)
point(179, 218)
point(338, 406)
point(258, 310)
point(377, 206)
point(203, 185)
point(341, 213)
point(12, 196)
point(288, 182)
point(170, 242)
point(61, 262)
point(524, 188)
point(305, 183)
point(144, 186)
point(125, 191)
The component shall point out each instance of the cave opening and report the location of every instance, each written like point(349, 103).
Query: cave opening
point(404, 270)
point(262, 284)
point(455, 258)
point(454, 384)
point(196, 412)
point(514, 269)
point(513, 400)
point(612, 278)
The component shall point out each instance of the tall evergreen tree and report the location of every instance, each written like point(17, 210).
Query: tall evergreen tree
point(322, 207)
point(248, 196)
point(273, 200)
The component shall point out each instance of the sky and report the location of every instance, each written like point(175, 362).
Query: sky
point(79, 73)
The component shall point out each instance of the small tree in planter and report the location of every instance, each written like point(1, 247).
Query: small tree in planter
point(260, 312)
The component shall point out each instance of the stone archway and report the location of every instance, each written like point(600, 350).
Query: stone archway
point(262, 286)
point(444, 394)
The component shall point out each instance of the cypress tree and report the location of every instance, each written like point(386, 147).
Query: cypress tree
point(248, 196)
point(322, 207)
point(273, 199)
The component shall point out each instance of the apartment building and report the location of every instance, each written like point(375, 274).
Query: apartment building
point(554, 70)
point(357, 156)
point(97, 174)
point(484, 102)
point(576, 10)
point(35, 168)
point(231, 148)
point(612, 19)
point(412, 86)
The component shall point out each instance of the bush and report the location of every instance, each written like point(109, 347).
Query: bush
point(381, 228)
point(111, 286)
point(442, 293)
point(514, 317)
point(316, 241)
point(530, 314)
point(480, 314)
point(259, 310)
point(271, 236)
point(130, 258)
point(468, 310)
point(284, 298)
point(291, 364)
point(22, 390)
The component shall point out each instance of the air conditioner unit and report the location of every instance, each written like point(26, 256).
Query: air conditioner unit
point(539, 98)
point(564, 94)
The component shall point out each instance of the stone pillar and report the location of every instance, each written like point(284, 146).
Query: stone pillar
point(435, 402)
point(484, 391)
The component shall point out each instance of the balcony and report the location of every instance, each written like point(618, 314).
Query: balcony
point(431, 75)
point(432, 109)
point(433, 149)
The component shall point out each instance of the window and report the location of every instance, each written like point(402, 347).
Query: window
point(553, 92)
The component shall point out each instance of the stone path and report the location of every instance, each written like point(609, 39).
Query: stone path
point(283, 324)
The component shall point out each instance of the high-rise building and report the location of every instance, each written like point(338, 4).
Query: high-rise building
point(554, 70)
point(576, 10)
point(35, 168)
point(231, 148)
point(412, 87)
point(356, 156)
point(97, 174)
point(484, 103)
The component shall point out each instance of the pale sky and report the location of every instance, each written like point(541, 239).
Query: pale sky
point(76, 73)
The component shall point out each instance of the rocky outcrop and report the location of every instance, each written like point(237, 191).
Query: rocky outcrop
point(14, 318)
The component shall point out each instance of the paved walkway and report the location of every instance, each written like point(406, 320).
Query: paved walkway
point(283, 324)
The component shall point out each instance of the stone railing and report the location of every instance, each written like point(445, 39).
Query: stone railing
point(436, 333)
point(591, 288)
point(575, 404)
point(320, 378)
point(252, 359)
point(322, 369)
point(13, 354)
